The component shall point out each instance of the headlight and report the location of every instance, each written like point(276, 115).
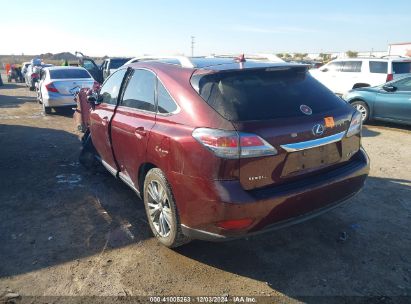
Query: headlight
point(355, 125)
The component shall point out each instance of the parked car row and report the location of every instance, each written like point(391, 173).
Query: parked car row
point(220, 148)
point(57, 86)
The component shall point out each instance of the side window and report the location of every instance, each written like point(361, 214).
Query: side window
point(140, 90)
point(403, 84)
point(378, 67)
point(352, 66)
point(110, 89)
point(166, 103)
point(334, 66)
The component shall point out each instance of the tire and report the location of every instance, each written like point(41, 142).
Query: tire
point(46, 110)
point(362, 107)
point(88, 153)
point(161, 210)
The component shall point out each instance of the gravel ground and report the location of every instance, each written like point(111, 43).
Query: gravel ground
point(65, 231)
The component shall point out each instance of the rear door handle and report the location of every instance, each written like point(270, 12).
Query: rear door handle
point(140, 132)
point(104, 121)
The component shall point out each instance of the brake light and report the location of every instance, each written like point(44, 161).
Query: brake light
point(390, 77)
point(233, 144)
point(51, 88)
point(235, 224)
point(355, 125)
point(34, 75)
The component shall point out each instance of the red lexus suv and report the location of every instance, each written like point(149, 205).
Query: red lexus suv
point(219, 148)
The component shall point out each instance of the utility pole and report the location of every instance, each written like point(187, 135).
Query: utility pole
point(192, 45)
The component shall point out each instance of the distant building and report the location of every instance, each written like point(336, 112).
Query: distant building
point(400, 49)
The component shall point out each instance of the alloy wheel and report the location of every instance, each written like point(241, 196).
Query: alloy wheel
point(362, 110)
point(159, 208)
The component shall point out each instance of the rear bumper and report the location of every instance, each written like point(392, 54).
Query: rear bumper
point(271, 208)
point(58, 100)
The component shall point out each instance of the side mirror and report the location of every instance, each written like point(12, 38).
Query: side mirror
point(389, 88)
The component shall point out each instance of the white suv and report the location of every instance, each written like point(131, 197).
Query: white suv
point(342, 75)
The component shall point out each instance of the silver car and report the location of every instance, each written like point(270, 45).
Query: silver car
point(58, 86)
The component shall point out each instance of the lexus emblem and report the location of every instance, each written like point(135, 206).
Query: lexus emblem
point(318, 129)
point(306, 110)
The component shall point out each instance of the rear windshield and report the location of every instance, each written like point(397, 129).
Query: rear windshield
point(264, 94)
point(401, 67)
point(69, 73)
point(116, 63)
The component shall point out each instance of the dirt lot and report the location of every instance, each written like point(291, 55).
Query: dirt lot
point(65, 231)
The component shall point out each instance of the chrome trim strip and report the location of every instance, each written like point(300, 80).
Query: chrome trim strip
point(304, 145)
point(109, 168)
point(128, 182)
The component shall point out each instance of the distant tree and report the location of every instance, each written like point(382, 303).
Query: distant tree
point(296, 56)
point(300, 56)
point(287, 56)
point(351, 54)
point(325, 57)
point(280, 55)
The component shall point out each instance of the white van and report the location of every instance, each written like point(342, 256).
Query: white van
point(342, 75)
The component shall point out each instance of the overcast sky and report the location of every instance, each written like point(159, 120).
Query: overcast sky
point(132, 28)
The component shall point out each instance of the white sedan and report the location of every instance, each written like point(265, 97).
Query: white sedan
point(58, 85)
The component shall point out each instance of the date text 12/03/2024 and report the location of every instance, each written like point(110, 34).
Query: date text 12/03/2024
point(203, 299)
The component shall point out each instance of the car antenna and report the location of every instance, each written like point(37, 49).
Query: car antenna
point(240, 58)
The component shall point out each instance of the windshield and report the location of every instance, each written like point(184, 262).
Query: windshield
point(264, 94)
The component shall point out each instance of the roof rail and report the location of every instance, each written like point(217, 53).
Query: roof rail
point(183, 60)
point(393, 56)
point(260, 56)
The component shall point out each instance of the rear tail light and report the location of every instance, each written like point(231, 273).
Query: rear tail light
point(51, 88)
point(233, 144)
point(355, 125)
point(235, 224)
point(34, 75)
point(390, 77)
